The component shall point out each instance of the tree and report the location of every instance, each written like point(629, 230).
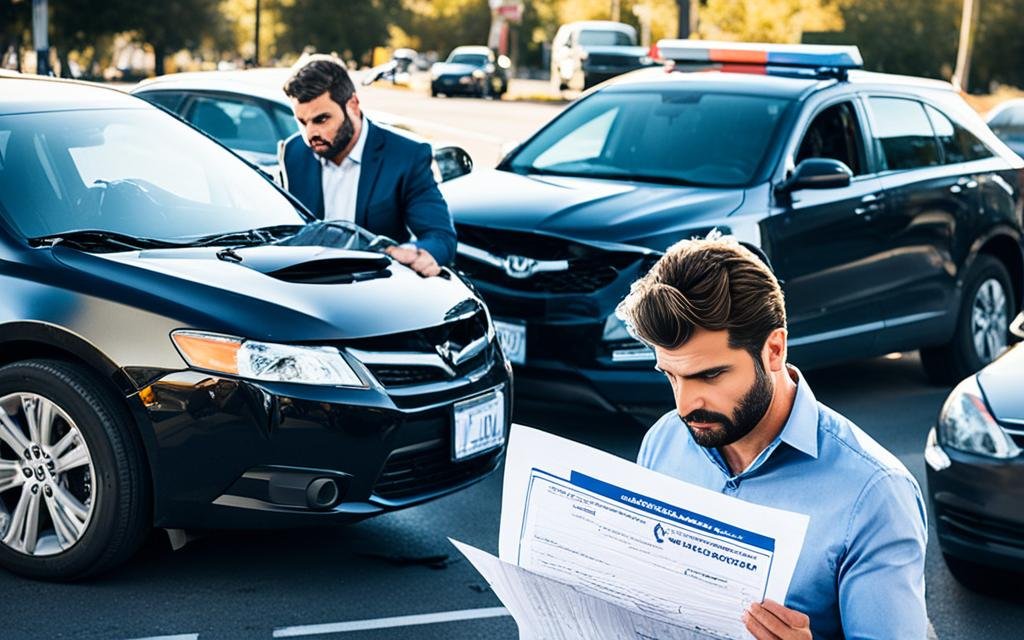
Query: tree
point(356, 26)
point(171, 26)
point(758, 21)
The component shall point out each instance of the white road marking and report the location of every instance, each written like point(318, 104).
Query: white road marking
point(389, 623)
point(180, 636)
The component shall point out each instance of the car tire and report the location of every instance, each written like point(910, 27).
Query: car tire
point(980, 578)
point(982, 324)
point(91, 498)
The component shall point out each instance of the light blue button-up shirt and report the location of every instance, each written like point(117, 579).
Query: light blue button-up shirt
point(861, 571)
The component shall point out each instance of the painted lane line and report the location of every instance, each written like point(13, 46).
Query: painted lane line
point(180, 636)
point(389, 623)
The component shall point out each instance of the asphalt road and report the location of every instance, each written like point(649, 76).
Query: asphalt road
point(253, 584)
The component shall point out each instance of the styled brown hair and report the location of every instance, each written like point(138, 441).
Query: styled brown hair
point(317, 75)
point(711, 284)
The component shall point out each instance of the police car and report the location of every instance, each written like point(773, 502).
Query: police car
point(891, 213)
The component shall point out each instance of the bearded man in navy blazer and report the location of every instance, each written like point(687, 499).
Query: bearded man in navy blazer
point(344, 167)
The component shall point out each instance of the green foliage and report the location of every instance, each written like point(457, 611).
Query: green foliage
point(353, 26)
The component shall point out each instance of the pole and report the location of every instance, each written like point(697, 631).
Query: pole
point(41, 35)
point(961, 77)
point(256, 49)
point(684, 18)
point(616, 10)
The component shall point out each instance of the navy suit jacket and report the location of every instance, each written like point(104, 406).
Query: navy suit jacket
point(397, 191)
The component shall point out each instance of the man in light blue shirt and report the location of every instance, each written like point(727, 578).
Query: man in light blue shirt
point(747, 424)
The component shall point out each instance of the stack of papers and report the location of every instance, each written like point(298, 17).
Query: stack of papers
point(594, 546)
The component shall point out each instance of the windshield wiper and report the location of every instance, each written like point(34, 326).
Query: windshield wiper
point(99, 239)
point(612, 175)
point(248, 237)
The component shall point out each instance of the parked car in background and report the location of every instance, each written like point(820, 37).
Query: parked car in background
point(183, 347)
point(470, 70)
point(586, 53)
point(248, 112)
point(888, 209)
point(1007, 121)
point(975, 472)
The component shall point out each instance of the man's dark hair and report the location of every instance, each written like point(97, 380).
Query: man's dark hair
point(320, 74)
point(708, 284)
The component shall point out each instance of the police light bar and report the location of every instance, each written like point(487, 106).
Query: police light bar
point(805, 56)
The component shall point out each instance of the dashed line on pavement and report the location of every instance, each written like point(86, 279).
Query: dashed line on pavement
point(389, 623)
point(180, 636)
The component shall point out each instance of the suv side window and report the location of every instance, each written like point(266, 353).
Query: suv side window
point(958, 144)
point(835, 133)
point(238, 124)
point(170, 100)
point(904, 133)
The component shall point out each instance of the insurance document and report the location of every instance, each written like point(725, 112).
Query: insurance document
point(647, 555)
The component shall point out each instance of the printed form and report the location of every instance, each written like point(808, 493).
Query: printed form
point(594, 546)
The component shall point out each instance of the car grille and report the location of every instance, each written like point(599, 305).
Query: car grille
point(986, 529)
point(427, 468)
point(590, 269)
point(390, 366)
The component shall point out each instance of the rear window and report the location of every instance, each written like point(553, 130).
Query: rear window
point(590, 38)
point(904, 133)
point(958, 144)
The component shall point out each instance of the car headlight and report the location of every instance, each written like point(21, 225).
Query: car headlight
point(965, 423)
point(479, 74)
point(615, 330)
point(265, 361)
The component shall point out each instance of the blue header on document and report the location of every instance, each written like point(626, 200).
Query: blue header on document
point(682, 516)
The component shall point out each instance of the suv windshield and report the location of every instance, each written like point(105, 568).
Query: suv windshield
point(134, 172)
point(474, 59)
point(681, 136)
point(590, 38)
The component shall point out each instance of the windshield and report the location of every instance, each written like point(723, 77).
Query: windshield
point(474, 59)
point(136, 172)
point(682, 136)
point(605, 39)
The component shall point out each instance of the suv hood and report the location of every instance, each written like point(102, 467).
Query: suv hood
point(642, 214)
point(273, 292)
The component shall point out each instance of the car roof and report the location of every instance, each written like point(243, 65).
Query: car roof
point(23, 93)
point(782, 86)
point(471, 48)
point(260, 83)
point(602, 24)
point(1013, 103)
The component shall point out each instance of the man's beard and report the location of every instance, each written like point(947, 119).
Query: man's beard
point(341, 139)
point(751, 409)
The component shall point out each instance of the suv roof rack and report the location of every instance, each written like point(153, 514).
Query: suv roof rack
point(805, 60)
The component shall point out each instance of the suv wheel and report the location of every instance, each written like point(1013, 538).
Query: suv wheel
point(982, 329)
point(73, 492)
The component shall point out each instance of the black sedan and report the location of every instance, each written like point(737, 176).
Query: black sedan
point(181, 347)
point(976, 473)
point(888, 209)
point(472, 71)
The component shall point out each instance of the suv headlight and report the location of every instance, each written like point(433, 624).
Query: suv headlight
point(965, 423)
point(265, 361)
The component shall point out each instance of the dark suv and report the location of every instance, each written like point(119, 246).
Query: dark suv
point(180, 349)
point(888, 209)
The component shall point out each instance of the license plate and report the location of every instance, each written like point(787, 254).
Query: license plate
point(479, 425)
point(512, 338)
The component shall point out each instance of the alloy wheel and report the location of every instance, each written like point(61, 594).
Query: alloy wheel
point(47, 489)
point(989, 320)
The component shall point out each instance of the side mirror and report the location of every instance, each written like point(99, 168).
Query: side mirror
point(1017, 326)
point(452, 162)
point(816, 173)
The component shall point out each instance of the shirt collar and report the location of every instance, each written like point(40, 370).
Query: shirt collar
point(801, 429)
point(356, 155)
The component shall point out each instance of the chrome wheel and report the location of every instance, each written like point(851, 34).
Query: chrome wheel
point(47, 490)
point(990, 319)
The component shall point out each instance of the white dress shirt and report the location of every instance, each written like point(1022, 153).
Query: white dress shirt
point(340, 182)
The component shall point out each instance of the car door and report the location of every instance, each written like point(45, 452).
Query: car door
point(931, 198)
point(823, 244)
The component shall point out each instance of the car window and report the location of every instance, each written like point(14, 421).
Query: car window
point(904, 134)
point(99, 169)
point(473, 59)
point(170, 100)
point(958, 144)
point(590, 38)
point(835, 133)
point(672, 135)
point(285, 120)
point(238, 124)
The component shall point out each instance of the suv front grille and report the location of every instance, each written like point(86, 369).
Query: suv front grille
point(426, 468)
point(590, 269)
